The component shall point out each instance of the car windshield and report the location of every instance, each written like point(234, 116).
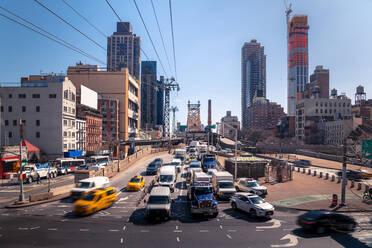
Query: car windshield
point(257, 200)
point(89, 197)
point(252, 184)
point(158, 199)
point(194, 165)
point(83, 185)
point(208, 159)
point(151, 166)
point(226, 185)
point(166, 178)
point(135, 180)
point(203, 190)
point(27, 168)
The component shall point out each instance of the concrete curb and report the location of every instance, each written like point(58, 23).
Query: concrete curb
point(56, 198)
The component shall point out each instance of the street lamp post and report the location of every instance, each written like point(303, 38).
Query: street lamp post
point(21, 195)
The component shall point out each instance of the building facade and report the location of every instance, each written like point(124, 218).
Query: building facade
point(148, 95)
point(160, 103)
point(81, 134)
point(320, 78)
point(253, 75)
point(118, 85)
point(298, 60)
point(47, 107)
point(110, 123)
point(263, 114)
point(124, 50)
point(232, 124)
point(311, 112)
point(93, 127)
point(334, 132)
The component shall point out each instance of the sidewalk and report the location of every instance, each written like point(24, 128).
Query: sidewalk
point(307, 192)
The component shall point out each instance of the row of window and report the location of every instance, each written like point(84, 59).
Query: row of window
point(68, 110)
point(68, 95)
point(6, 122)
point(330, 111)
point(10, 109)
point(37, 134)
point(36, 96)
point(334, 104)
point(69, 123)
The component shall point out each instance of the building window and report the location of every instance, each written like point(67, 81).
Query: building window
point(321, 111)
point(37, 134)
point(52, 95)
point(37, 122)
point(73, 110)
point(73, 123)
point(65, 146)
point(65, 94)
point(24, 122)
point(14, 122)
point(64, 108)
point(23, 108)
point(35, 95)
point(22, 96)
point(10, 96)
point(2, 108)
point(316, 111)
point(64, 134)
point(65, 122)
point(10, 109)
point(10, 134)
point(37, 108)
point(73, 134)
point(6, 122)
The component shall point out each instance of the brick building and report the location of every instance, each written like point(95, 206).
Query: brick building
point(263, 114)
point(93, 124)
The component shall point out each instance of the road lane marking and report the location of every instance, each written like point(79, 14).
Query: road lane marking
point(84, 230)
point(22, 228)
point(114, 230)
point(5, 214)
point(46, 185)
point(203, 230)
point(178, 239)
point(124, 227)
point(228, 236)
point(177, 227)
point(221, 227)
point(121, 240)
point(36, 227)
point(145, 231)
point(52, 229)
point(231, 230)
point(178, 231)
point(259, 230)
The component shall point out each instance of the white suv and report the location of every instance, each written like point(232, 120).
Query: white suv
point(250, 185)
point(252, 204)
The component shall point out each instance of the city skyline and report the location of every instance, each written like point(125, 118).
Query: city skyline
point(347, 68)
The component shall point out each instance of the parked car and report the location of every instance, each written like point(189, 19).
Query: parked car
point(250, 185)
point(136, 183)
point(95, 200)
point(302, 163)
point(252, 204)
point(320, 221)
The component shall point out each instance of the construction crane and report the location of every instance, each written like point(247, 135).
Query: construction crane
point(288, 11)
point(168, 85)
point(174, 109)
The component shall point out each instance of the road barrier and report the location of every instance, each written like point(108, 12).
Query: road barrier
point(298, 169)
point(40, 197)
point(314, 174)
point(303, 170)
point(338, 179)
point(366, 188)
point(326, 176)
point(352, 184)
point(309, 172)
point(320, 174)
point(333, 178)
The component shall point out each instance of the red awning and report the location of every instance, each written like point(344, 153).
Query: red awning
point(30, 147)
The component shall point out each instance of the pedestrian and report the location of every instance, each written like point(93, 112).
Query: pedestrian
point(38, 181)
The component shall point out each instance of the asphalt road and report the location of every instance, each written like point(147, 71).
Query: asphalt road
point(125, 225)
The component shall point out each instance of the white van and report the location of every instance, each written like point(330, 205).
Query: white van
point(159, 203)
point(89, 184)
point(167, 177)
point(178, 163)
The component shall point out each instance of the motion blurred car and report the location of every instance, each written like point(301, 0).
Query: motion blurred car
point(95, 200)
point(152, 168)
point(302, 163)
point(136, 183)
point(320, 221)
point(352, 174)
point(252, 204)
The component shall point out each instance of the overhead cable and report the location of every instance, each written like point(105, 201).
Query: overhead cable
point(174, 50)
point(86, 36)
point(148, 34)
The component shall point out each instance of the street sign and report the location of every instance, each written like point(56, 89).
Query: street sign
point(212, 126)
point(367, 149)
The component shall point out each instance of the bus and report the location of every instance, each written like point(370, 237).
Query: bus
point(100, 160)
point(67, 165)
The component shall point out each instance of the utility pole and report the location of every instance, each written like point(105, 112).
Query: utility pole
point(21, 195)
point(343, 187)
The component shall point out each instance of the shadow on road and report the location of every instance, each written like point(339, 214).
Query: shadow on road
point(344, 239)
point(238, 214)
point(181, 185)
point(67, 200)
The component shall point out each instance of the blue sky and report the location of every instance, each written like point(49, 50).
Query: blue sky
point(209, 35)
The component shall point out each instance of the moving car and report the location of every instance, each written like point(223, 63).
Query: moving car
point(88, 184)
point(152, 168)
point(159, 203)
point(321, 221)
point(252, 204)
point(136, 183)
point(250, 185)
point(159, 161)
point(178, 163)
point(302, 163)
point(167, 177)
point(95, 200)
point(194, 164)
point(223, 184)
point(352, 174)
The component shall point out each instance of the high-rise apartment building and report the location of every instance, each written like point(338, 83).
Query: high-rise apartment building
point(124, 50)
point(160, 102)
point(253, 75)
point(320, 78)
point(298, 60)
point(148, 95)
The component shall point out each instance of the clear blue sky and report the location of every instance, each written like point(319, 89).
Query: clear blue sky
point(209, 35)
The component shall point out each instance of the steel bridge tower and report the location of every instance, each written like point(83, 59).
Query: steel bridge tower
point(169, 85)
point(193, 117)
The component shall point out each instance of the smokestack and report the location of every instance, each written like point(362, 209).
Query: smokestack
point(209, 112)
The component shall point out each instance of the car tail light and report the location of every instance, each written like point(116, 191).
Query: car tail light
point(309, 223)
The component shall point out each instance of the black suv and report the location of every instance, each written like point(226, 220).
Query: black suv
point(152, 168)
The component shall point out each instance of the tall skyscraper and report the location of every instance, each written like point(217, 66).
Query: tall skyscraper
point(253, 75)
point(298, 60)
point(160, 102)
point(148, 95)
point(124, 50)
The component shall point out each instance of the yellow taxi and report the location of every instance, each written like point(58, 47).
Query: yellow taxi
point(136, 183)
point(95, 200)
